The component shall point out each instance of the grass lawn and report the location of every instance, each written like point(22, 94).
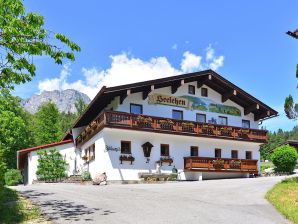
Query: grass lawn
point(266, 165)
point(284, 196)
point(17, 209)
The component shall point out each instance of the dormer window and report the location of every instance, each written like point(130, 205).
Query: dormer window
point(204, 92)
point(191, 89)
point(136, 108)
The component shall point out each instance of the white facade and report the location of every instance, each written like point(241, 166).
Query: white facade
point(179, 145)
point(66, 150)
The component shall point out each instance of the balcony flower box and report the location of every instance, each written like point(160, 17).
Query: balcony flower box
point(94, 125)
point(128, 158)
point(166, 124)
point(218, 164)
point(165, 159)
point(145, 122)
point(226, 131)
point(187, 126)
point(207, 129)
point(235, 164)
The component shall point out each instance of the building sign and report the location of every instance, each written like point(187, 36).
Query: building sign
point(169, 100)
point(193, 103)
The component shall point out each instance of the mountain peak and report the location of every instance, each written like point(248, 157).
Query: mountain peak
point(64, 99)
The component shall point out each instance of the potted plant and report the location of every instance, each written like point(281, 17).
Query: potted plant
point(166, 124)
point(235, 164)
point(227, 131)
point(144, 121)
point(187, 126)
point(129, 158)
point(208, 129)
point(85, 157)
point(165, 159)
point(218, 164)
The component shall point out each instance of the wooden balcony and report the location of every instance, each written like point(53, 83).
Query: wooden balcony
point(208, 164)
point(170, 126)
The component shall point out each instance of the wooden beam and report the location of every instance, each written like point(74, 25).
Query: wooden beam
point(251, 108)
point(201, 82)
point(228, 95)
point(175, 87)
point(262, 115)
point(122, 97)
point(145, 93)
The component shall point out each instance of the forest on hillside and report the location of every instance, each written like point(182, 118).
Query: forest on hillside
point(277, 138)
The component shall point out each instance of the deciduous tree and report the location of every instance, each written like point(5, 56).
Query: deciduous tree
point(47, 126)
point(22, 37)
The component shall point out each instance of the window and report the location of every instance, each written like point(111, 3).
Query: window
point(248, 155)
point(222, 120)
point(191, 89)
point(204, 92)
point(194, 151)
point(164, 150)
point(136, 108)
point(90, 152)
point(177, 114)
point(234, 154)
point(125, 147)
point(201, 118)
point(245, 123)
point(217, 153)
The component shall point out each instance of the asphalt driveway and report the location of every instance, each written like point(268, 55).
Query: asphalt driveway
point(213, 201)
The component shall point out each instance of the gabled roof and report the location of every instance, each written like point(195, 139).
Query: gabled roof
point(207, 77)
point(21, 154)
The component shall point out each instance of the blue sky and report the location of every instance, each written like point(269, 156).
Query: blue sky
point(246, 39)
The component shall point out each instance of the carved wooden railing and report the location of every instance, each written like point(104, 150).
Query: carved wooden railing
point(220, 164)
point(167, 125)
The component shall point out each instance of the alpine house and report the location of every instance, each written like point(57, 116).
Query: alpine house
point(199, 123)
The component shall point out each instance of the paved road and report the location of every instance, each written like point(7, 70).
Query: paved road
point(214, 201)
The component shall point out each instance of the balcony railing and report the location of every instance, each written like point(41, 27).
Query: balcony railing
point(209, 164)
point(167, 125)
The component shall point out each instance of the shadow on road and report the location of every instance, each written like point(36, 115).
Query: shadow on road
point(63, 209)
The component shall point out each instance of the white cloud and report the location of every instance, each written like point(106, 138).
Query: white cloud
point(175, 46)
point(127, 69)
point(191, 62)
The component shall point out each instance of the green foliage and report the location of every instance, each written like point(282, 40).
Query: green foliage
point(47, 124)
point(14, 131)
point(13, 177)
point(66, 121)
point(17, 209)
point(284, 158)
point(2, 167)
point(284, 197)
point(51, 165)
point(265, 166)
point(291, 108)
point(86, 176)
point(80, 106)
point(22, 36)
point(275, 139)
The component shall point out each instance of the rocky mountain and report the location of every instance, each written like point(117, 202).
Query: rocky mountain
point(65, 100)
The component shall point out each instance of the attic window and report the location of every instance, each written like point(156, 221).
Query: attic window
point(191, 90)
point(204, 92)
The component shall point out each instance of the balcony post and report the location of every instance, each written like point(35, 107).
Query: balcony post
point(190, 163)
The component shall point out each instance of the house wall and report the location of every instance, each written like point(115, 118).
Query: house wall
point(68, 152)
point(166, 111)
point(108, 161)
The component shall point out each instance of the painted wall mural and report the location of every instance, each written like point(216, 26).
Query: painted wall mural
point(193, 103)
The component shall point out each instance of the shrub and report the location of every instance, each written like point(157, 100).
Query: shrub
point(51, 165)
point(13, 177)
point(284, 158)
point(86, 176)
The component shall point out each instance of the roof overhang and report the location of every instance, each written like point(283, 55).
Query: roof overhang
point(22, 154)
point(208, 77)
